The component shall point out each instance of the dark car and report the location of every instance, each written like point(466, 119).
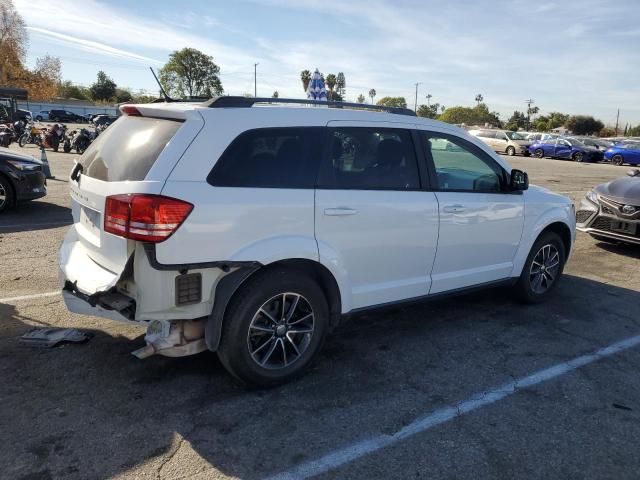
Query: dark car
point(65, 116)
point(21, 179)
point(568, 148)
point(611, 211)
point(104, 119)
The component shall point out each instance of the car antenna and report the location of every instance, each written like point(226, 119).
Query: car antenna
point(167, 98)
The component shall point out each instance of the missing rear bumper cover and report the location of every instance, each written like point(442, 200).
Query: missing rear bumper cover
point(109, 300)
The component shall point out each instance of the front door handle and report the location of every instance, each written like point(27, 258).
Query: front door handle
point(453, 208)
point(341, 211)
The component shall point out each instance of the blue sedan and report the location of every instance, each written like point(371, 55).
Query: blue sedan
point(624, 153)
point(568, 148)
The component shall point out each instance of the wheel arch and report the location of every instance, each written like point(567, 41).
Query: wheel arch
point(12, 186)
point(563, 231)
point(230, 284)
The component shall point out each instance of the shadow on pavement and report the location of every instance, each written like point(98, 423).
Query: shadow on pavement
point(35, 215)
point(94, 411)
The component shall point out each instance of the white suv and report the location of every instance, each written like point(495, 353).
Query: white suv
point(251, 229)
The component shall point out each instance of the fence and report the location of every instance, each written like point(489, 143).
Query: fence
point(78, 108)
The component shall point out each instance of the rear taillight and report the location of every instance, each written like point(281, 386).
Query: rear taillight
point(148, 218)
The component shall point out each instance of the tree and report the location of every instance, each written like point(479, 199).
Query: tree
point(607, 132)
point(429, 97)
point(104, 88)
point(517, 121)
point(122, 95)
point(372, 94)
point(634, 131)
point(67, 89)
point(478, 115)
point(331, 84)
point(428, 111)
point(583, 125)
point(275, 94)
point(305, 76)
point(398, 102)
point(479, 98)
point(191, 73)
point(13, 43)
point(341, 84)
point(361, 98)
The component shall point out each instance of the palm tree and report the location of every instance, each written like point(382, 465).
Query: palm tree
point(429, 96)
point(442, 108)
point(305, 76)
point(479, 98)
point(372, 94)
point(275, 94)
point(331, 84)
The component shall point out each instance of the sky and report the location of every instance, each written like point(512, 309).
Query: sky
point(577, 57)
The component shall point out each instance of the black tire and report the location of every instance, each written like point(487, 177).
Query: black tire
point(578, 157)
point(538, 153)
point(23, 140)
point(38, 118)
point(527, 153)
point(525, 287)
point(511, 151)
point(7, 194)
point(617, 159)
point(247, 305)
point(67, 146)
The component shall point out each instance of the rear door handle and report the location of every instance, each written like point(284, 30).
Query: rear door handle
point(453, 208)
point(342, 211)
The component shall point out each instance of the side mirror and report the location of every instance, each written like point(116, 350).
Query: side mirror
point(519, 180)
point(634, 172)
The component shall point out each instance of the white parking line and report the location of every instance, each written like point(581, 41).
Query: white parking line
point(342, 456)
point(28, 297)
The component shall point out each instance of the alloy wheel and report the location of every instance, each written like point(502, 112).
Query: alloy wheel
point(539, 153)
point(617, 160)
point(280, 331)
point(578, 157)
point(544, 269)
point(3, 195)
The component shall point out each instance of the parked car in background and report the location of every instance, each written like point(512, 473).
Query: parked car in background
point(104, 120)
point(42, 115)
point(503, 141)
point(66, 116)
point(21, 179)
point(251, 231)
point(540, 137)
point(611, 211)
point(598, 143)
point(623, 153)
point(566, 148)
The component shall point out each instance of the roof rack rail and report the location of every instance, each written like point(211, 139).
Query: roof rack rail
point(246, 102)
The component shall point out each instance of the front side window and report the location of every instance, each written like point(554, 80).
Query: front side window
point(363, 158)
point(461, 166)
point(270, 158)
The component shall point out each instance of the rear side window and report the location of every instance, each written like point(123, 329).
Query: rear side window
point(363, 158)
point(128, 148)
point(270, 158)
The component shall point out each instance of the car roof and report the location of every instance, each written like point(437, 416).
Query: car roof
point(6, 154)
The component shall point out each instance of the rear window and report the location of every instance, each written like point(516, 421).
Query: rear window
point(128, 148)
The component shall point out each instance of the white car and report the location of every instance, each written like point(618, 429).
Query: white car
point(252, 229)
point(41, 116)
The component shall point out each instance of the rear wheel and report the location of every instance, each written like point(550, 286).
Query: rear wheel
point(538, 152)
point(617, 159)
point(542, 270)
point(7, 194)
point(273, 328)
point(578, 157)
point(511, 151)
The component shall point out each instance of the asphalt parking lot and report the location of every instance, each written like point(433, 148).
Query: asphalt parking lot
point(94, 411)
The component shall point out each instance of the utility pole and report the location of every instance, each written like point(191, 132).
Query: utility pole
point(255, 79)
point(529, 102)
point(617, 120)
point(415, 105)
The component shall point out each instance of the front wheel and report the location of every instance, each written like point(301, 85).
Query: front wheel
point(511, 151)
point(7, 195)
point(274, 327)
point(538, 152)
point(542, 270)
point(23, 140)
point(617, 160)
point(578, 157)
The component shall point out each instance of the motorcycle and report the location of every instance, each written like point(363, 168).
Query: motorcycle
point(80, 140)
point(54, 135)
point(7, 135)
point(31, 135)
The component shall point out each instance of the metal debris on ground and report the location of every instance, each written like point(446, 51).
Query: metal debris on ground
point(50, 337)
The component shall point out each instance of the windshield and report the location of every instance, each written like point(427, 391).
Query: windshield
point(576, 143)
point(128, 148)
point(514, 136)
